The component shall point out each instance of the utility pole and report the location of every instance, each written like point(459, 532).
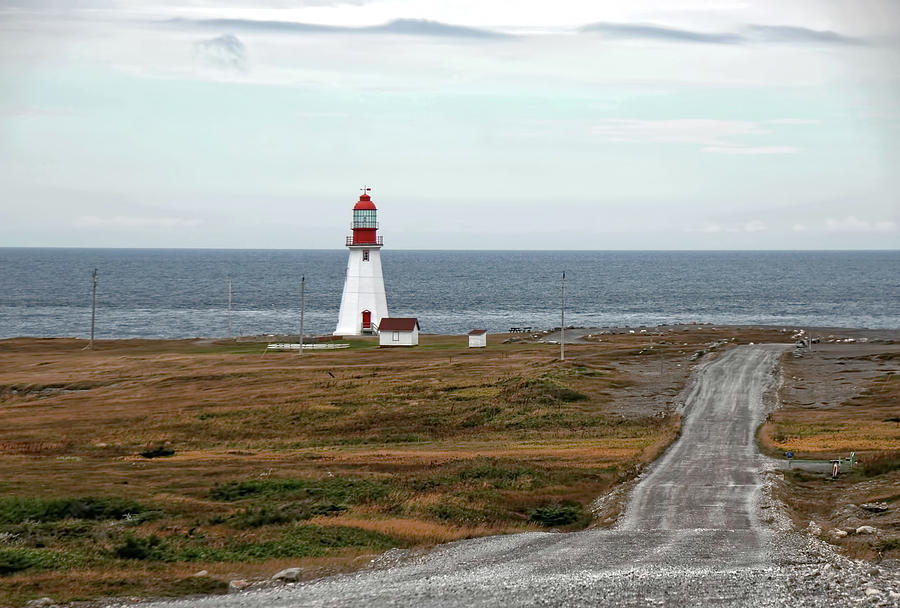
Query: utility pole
point(230, 332)
point(302, 310)
point(562, 322)
point(93, 306)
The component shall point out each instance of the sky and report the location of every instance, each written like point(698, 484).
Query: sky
point(478, 124)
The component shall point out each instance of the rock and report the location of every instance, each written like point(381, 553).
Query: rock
point(813, 528)
point(43, 602)
point(201, 573)
point(874, 507)
point(866, 530)
point(238, 586)
point(837, 533)
point(870, 591)
point(288, 575)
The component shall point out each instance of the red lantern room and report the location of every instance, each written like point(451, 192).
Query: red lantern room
point(365, 222)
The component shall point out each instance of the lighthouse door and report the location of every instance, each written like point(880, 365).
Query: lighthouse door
point(366, 319)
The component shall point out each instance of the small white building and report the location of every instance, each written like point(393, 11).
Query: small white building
point(398, 331)
point(478, 338)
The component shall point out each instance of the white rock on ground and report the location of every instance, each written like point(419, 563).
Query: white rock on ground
point(288, 575)
point(866, 530)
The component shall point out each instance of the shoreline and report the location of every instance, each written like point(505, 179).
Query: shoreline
point(888, 333)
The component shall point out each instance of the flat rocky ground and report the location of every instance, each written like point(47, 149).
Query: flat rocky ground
point(701, 528)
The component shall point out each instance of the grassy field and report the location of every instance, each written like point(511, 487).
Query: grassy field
point(127, 469)
point(836, 400)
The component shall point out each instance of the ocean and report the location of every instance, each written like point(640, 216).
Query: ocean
point(181, 293)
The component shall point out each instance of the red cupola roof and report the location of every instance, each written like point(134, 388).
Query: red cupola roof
point(365, 202)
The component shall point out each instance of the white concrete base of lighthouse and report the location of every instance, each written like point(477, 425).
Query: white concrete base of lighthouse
point(364, 298)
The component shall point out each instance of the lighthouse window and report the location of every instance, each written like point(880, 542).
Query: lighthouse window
point(364, 218)
point(365, 255)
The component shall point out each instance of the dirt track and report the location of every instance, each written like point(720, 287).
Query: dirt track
point(693, 534)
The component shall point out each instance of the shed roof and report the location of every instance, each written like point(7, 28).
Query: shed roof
point(398, 324)
point(477, 332)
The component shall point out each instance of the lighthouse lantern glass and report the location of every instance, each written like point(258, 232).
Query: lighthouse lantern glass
point(364, 218)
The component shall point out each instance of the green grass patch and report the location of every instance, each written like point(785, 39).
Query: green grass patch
point(16, 510)
point(559, 515)
point(337, 490)
point(298, 541)
point(540, 391)
point(17, 559)
point(267, 515)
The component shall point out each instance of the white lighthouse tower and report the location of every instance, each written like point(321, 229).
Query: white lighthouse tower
point(363, 304)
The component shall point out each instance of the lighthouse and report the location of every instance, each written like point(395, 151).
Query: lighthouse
point(363, 304)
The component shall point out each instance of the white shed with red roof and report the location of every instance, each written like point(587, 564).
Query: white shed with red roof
point(398, 331)
point(478, 338)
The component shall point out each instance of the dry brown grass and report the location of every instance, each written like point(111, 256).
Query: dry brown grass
point(834, 401)
point(463, 443)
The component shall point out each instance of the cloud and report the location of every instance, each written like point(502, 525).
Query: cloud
point(422, 27)
point(120, 221)
point(714, 136)
point(750, 226)
point(643, 31)
point(791, 121)
point(225, 51)
point(754, 226)
point(409, 27)
point(793, 34)
point(854, 224)
point(696, 131)
point(753, 33)
point(751, 150)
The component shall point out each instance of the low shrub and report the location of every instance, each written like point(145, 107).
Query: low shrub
point(158, 452)
point(880, 463)
point(15, 510)
point(145, 548)
point(337, 490)
point(557, 515)
point(254, 517)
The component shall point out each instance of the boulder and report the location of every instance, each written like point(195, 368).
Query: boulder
point(837, 533)
point(288, 575)
point(238, 586)
point(200, 574)
point(813, 528)
point(866, 530)
point(43, 602)
point(874, 507)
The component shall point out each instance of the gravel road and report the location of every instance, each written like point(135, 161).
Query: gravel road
point(699, 530)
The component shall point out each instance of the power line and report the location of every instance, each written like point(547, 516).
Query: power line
point(302, 310)
point(562, 322)
point(93, 305)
